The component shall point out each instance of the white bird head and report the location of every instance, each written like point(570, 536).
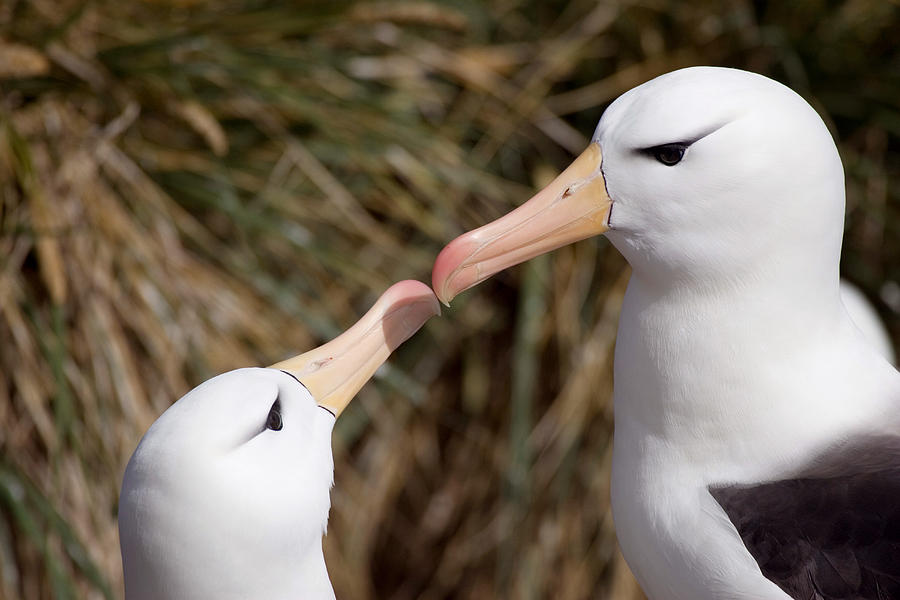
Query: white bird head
point(702, 174)
point(227, 494)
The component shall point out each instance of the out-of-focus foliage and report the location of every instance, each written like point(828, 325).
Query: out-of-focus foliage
point(191, 186)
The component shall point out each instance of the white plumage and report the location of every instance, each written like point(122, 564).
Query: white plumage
point(227, 494)
point(742, 387)
point(216, 505)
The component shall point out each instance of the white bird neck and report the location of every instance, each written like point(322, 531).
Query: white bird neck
point(773, 374)
point(307, 579)
point(311, 580)
point(739, 338)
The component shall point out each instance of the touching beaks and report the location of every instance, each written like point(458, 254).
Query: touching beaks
point(334, 372)
point(574, 206)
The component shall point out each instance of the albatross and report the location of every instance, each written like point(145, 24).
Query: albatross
point(227, 495)
point(757, 431)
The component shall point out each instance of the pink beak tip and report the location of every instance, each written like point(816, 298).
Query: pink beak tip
point(440, 272)
point(410, 292)
point(404, 308)
point(446, 277)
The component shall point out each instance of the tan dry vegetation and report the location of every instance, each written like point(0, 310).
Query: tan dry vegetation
point(193, 186)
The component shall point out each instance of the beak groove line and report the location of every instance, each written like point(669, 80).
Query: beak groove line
point(574, 206)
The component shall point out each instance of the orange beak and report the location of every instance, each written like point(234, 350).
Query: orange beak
point(573, 207)
point(336, 371)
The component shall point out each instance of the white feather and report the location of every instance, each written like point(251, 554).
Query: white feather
point(214, 505)
point(736, 360)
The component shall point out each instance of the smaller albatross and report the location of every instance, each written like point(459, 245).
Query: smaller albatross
point(227, 495)
point(757, 431)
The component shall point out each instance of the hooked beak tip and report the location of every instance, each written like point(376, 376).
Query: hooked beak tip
point(451, 273)
point(416, 303)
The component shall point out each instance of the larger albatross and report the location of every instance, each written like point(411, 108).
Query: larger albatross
point(227, 494)
point(757, 433)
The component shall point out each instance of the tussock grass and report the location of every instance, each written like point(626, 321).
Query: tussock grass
point(192, 186)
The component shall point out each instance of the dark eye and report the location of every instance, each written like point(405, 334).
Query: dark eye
point(273, 421)
point(668, 154)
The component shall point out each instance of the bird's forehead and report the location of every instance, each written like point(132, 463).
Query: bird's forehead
point(236, 401)
point(682, 105)
point(247, 385)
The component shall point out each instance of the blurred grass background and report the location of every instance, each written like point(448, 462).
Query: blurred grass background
point(190, 186)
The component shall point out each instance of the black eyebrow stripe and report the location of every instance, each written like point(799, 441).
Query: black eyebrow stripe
point(684, 143)
point(652, 149)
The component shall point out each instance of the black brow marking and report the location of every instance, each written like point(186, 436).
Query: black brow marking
point(685, 143)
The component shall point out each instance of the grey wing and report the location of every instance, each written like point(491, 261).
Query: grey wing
point(831, 533)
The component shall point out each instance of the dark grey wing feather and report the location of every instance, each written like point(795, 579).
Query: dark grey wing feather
point(831, 533)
